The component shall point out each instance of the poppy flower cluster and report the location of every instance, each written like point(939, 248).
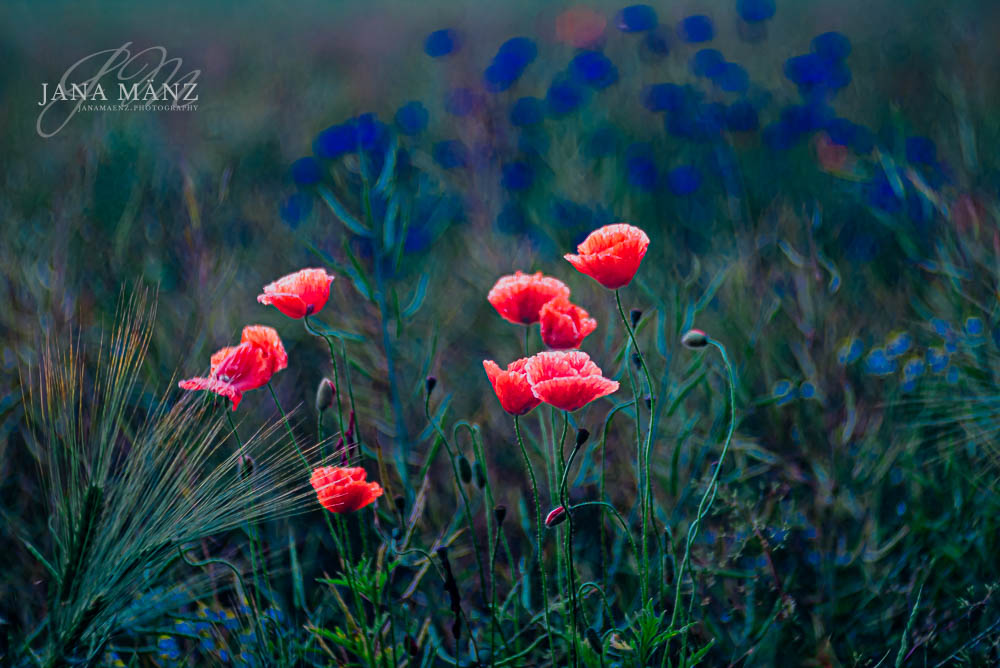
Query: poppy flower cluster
point(260, 354)
point(244, 367)
point(525, 299)
point(566, 379)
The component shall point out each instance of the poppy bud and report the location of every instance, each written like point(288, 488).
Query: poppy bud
point(500, 513)
point(581, 437)
point(694, 339)
point(324, 395)
point(555, 517)
point(635, 314)
point(246, 465)
point(480, 475)
point(594, 638)
point(464, 470)
point(400, 502)
point(430, 383)
point(636, 361)
point(649, 402)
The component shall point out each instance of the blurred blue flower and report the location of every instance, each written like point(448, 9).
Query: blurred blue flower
point(807, 70)
point(451, 153)
point(564, 97)
point(295, 207)
point(336, 140)
point(807, 390)
point(593, 69)
point(921, 150)
point(708, 63)
point(462, 101)
point(441, 43)
point(937, 359)
point(850, 351)
point(697, 28)
point(783, 391)
point(733, 78)
point(941, 326)
point(753, 11)
point(878, 363)
point(527, 111)
point(411, 118)
point(898, 344)
point(741, 117)
point(655, 44)
point(697, 122)
point(914, 368)
point(637, 18)
point(306, 171)
point(640, 168)
point(974, 326)
point(664, 97)
point(881, 195)
point(831, 45)
point(509, 64)
point(517, 176)
point(684, 180)
point(169, 649)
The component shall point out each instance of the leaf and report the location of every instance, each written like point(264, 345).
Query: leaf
point(338, 209)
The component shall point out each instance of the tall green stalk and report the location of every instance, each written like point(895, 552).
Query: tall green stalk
point(644, 486)
point(538, 531)
point(709, 496)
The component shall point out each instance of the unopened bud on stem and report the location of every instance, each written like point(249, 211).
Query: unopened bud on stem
point(694, 339)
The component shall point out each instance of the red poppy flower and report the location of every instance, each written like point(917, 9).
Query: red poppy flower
point(300, 294)
point(519, 297)
point(611, 254)
point(343, 489)
point(564, 325)
point(267, 339)
point(568, 380)
point(234, 371)
point(511, 386)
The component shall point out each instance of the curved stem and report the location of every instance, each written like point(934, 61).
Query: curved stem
point(461, 490)
point(644, 492)
point(709, 496)
point(336, 375)
point(251, 525)
point(538, 531)
point(564, 500)
point(239, 576)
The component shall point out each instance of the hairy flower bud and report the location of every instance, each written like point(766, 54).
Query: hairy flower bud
point(464, 469)
point(635, 315)
point(694, 339)
point(581, 437)
point(430, 383)
point(555, 517)
point(325, 394)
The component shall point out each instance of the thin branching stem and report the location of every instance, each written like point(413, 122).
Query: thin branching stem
point(709, 496)
point(538, 532)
